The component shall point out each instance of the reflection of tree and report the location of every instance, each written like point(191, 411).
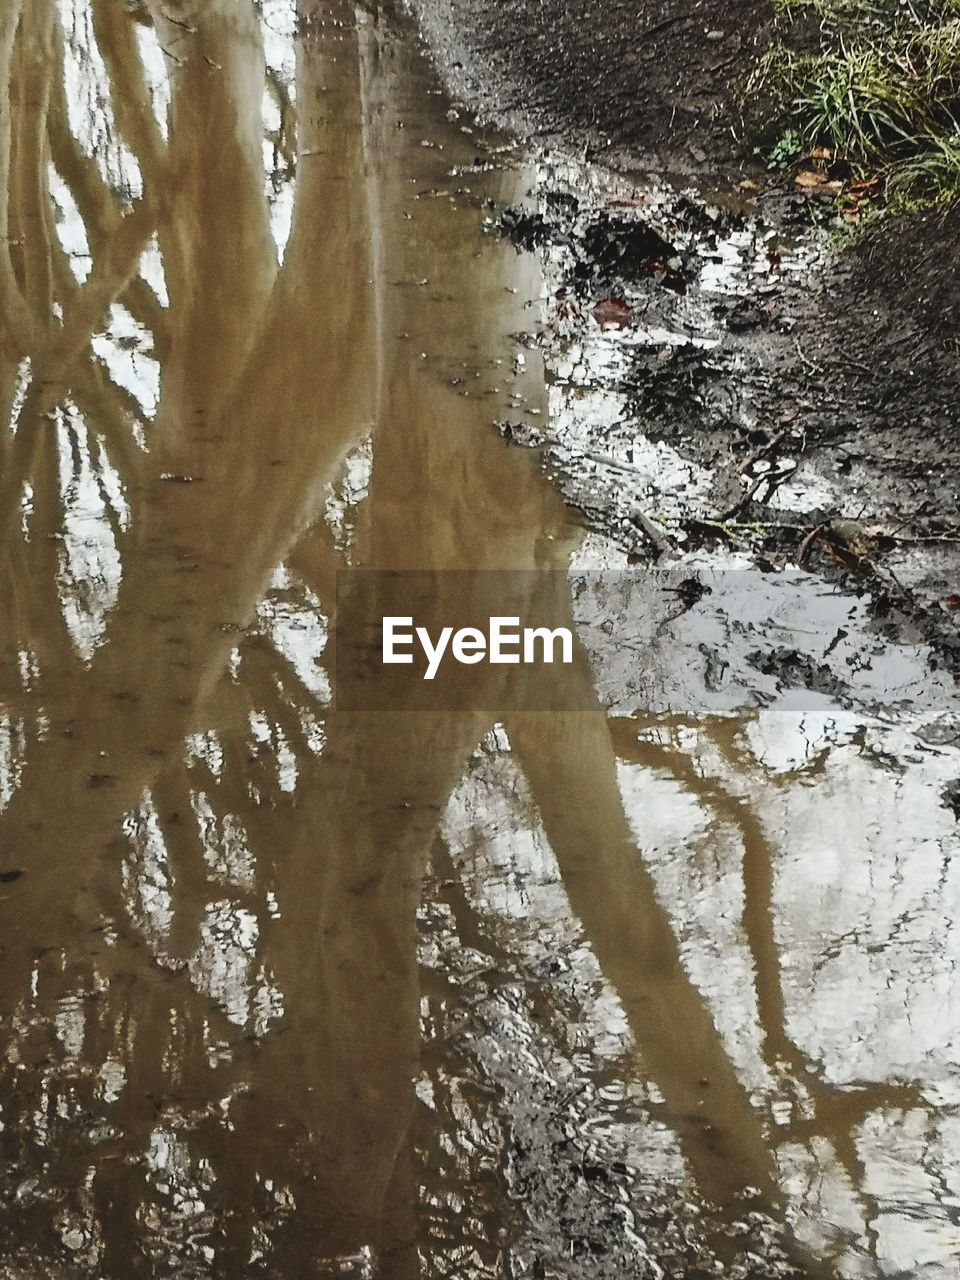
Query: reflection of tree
point(169, 639)
point(241, 390)
point(268, 375)
point(818, 1111)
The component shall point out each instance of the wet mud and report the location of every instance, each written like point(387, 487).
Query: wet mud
point(692, 405)
point(855, 359)
point(659, 987)
point(651, 85)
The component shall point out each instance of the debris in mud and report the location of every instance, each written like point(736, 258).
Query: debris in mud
point(817, 183)
point(604, 249)
point(527, 230)
point(690, 591)
point(697, 421)
point(852, 543)
point(795, 670)
point(657, 535)
point(523, 434)
point(628, 249)
point(10, 877)
point(951, 798)
point(101, 780)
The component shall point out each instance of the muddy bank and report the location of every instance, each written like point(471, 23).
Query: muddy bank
point(813, 387)
point(860, 356)
point(636, 81)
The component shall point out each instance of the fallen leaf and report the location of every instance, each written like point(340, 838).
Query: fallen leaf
point(613, 312)
point(809, 180)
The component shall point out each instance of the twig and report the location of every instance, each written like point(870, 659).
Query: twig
point(931, 537)
point(807, 363)
point(177, 22)
point(655, 533)
point(804, 548)
point(744, 500)
point(667, 22)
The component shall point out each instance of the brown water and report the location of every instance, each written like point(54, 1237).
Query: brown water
point(290, 991)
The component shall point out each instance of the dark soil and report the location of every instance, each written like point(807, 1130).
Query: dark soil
point(912, 269)
point(642, 82)
point(887, 337)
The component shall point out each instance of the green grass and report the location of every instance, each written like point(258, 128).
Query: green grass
point(876, 83)
point(932, 177)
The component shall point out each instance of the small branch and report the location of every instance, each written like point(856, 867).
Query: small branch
point(672, 21)
point(655, 533)
point(742, 502)
point(804, 549)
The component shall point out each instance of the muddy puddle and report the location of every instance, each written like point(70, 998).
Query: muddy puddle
point(660, 986)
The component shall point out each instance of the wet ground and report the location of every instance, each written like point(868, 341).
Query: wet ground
point(659, 986)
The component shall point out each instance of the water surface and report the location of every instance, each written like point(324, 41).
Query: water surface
point(292, 991)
